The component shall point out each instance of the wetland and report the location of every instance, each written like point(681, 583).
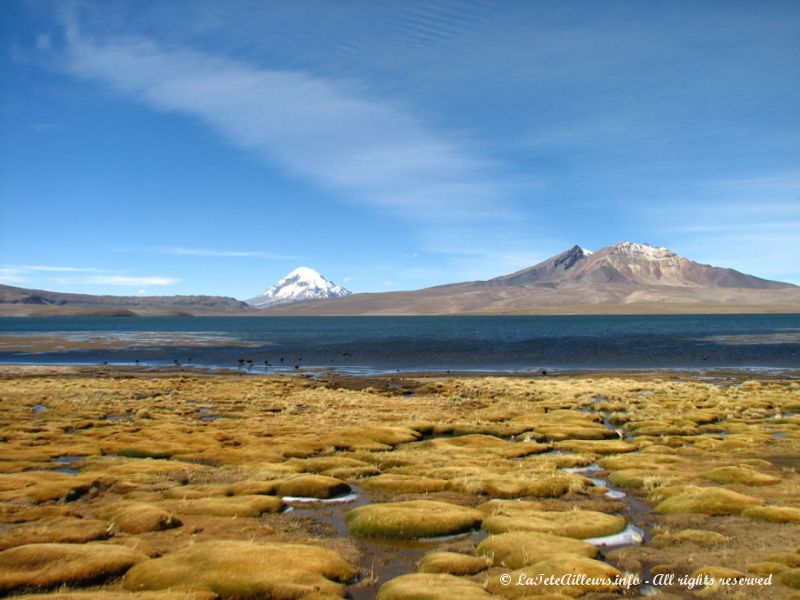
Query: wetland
point(183, 483)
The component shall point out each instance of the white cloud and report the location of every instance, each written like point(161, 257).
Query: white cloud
point(12, 276)
point(51, 269)
point(181, 251)
point(29, 274)
point(127, 280)
point(327, 130)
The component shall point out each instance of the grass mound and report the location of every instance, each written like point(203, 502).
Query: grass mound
point(430, 586)
point(404, 484)
point(773, 514)
point(235, 506)
point(312, 486)
point(509, 507)
point(42, 566)
point(409, 520)
point(742, 475)
point(515, 550)
point(766, 567)
point(701, 537)
point(596, 446)
point(453, 563)
point(541, 487)
point(703, 500)
point(789, 559)
point(600, 577)
point(67, 530)
point(138, 517)
point(571, 523)
point(235, 569)
point(142, 452)
point(107, 595)
point(790, 578)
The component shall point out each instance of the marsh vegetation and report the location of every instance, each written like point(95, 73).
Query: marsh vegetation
point(115, 484)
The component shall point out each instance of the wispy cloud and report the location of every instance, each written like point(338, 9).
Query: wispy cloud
point(127, 280)
point(12, 276)
point(42, 274)
point(53, 269)
point(182, 251)
point(331, 131)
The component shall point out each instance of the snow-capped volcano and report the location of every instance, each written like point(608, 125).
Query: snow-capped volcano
point(301, 284)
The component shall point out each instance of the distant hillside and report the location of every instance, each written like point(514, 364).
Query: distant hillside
point(625, 278)
point(16, 301)
point(630, 263)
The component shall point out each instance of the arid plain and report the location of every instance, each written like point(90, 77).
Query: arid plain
point(189, 484)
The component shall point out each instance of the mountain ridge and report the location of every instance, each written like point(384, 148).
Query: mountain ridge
point(623, 278)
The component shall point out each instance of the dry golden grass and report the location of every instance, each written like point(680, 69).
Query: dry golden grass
point(704, 500)
point(137, 517)
point(570, 523)
point(411, 520)
point(246, 570)
point(43, 566)
point(453, 563)
point(430, 586)
point(517, 549)
point(557, 565)
point(773, 514)
point(139, 440)
point(67, 530)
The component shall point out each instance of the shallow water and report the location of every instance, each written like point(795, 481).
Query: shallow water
point(381, 344)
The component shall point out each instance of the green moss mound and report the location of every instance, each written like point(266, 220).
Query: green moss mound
point(453, 563)
point(791, 578)
point(704, 500)
point(138, 517)
point(571, 523)
point(741, 475)
point(773, 514)
point(43, 566)
point(602, 576)
point(701, 537)
point(409, 520)
point(515, 550)
point(108, 595)
point(235, 506)
point(404, 484)
point(67, 530)
point(312, 486)
point(246, 570)
point(431, 586)
point(766, 567)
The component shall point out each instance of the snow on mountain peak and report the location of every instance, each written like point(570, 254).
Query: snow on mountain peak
point(304, 283)
point(642, 250)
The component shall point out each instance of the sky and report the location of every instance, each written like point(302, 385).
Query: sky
point(210, 147)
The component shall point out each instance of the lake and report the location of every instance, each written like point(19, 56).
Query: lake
point(381, 344)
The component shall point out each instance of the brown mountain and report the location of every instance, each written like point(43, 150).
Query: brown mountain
point(623, 278)
point(626, 262)
point(16, 301)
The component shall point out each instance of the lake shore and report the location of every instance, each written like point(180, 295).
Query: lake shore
point(185, 483)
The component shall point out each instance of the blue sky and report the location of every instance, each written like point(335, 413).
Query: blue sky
point(212, 147)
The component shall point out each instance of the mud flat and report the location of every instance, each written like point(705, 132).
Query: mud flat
point(132, 484)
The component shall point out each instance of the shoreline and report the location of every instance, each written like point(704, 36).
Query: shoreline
point(321, 373)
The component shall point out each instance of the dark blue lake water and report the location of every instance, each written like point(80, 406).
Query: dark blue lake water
point(371, 344)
